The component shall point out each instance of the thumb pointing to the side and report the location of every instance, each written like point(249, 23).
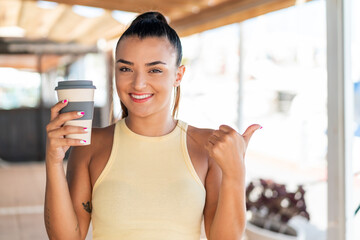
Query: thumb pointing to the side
point(250, 131)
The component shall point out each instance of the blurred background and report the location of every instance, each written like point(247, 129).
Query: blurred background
point(246, 62)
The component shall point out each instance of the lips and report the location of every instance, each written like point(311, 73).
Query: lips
point(140, 98)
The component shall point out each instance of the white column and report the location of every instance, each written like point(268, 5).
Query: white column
point(340, 121)
point(105, 110)
point(240, 104)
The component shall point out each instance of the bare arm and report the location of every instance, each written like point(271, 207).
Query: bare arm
point(79, 182)
point(212, 185)
point(229, 209)
point(60, 216)
point(225, 205)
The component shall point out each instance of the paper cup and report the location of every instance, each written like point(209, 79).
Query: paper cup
point(80, 94)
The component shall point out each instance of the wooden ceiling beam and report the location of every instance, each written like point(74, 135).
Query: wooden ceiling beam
point(30, 62)
point(26, 46)
point(167, 7)
point(65, 26)
point(21, 10)
point(103, 27)
point(87, 26)
point(38, 21)
point(47, 21)
point(227, 13)
point(9, 13)
point(29, 12)
point(122, 5)
point(187, 17)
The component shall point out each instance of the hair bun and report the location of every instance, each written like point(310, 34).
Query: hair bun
point(151, 16)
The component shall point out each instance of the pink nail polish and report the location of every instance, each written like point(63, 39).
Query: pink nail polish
point(86, 129)
point(260, 127)
point(82, 113)
point(83, 141)
point(65, 101)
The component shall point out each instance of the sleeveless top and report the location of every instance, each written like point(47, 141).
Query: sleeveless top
point(148, 190)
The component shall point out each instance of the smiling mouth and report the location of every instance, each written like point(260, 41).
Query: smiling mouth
point(140, 97)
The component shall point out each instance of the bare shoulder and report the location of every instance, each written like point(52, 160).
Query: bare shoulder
point(197, 139)
point(199, 135)
point(100, 134)
point(92, 158)
point(99, 138)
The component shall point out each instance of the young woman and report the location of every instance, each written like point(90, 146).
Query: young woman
point(148, 176)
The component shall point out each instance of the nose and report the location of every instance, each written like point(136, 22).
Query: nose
point(139, 82)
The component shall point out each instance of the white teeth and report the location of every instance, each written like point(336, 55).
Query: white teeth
point(140, 96)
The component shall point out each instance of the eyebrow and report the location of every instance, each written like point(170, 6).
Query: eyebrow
point(147, 64)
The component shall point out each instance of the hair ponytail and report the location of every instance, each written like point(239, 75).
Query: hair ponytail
point(150, 16)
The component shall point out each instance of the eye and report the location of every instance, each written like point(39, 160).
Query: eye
point(155, 71)
point(124, 69)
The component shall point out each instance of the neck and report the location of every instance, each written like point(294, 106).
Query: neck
point(150, 126)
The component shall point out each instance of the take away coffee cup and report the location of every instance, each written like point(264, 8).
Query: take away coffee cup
point(80, 96)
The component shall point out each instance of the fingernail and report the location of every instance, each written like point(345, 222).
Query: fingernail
point(86, 129)
point(260, 127)
point(80, 113)
point(64, 101)
point(82, 141)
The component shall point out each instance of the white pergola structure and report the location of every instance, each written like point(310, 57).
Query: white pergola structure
point(340, 120)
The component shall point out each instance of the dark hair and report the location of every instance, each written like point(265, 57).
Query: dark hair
point(154, 24)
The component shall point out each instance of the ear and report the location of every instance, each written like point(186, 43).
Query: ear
point(179, 75)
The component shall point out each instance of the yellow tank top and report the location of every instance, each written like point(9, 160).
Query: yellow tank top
point(148, 190)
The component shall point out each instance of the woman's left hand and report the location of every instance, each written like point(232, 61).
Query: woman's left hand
point(227, 147)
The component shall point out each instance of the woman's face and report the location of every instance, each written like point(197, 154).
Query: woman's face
point(146, 73)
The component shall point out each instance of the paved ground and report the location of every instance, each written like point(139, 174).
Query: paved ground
point(22, 191)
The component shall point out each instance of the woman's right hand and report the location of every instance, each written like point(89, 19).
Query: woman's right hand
point(56, 143)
